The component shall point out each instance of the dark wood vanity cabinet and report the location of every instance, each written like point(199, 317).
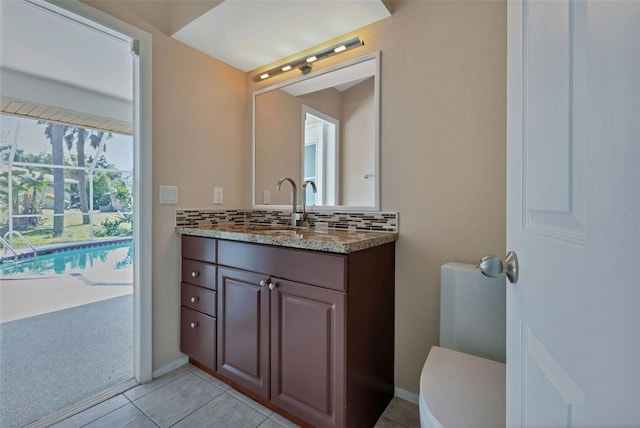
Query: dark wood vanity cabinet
point(243, 338)
point(198, 300)
point(308, 352)
point(311, 332)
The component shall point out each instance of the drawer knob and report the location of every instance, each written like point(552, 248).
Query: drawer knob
point(263, 283)
point(194, 324)
point(272, 285)
point(195, 274)
point(195, 299)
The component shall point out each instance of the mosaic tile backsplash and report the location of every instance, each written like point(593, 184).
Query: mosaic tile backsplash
point(372, 221)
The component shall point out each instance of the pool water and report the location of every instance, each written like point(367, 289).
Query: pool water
point(116, 256)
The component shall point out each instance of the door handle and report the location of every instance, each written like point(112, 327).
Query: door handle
point(493, 266)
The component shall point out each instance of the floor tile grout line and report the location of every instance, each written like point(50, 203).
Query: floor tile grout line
point(155, 389)
point(230, 389)
point(205, 379)
point(249, 404)
point(102, 416)
point(195, 410)
point(267, 419)
point(274, 421)
point(226, 391)
point(394, 420)
point(146, 414)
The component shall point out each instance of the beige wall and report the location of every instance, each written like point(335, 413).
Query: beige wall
point(443, 152)
point(279, 138)
point(443, 125)
point(356, 142)
point(199, 127)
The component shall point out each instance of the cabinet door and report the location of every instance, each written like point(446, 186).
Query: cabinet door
point(243, 329)
point(308, 352)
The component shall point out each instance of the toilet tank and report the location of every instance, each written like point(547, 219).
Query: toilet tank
point(472, 311)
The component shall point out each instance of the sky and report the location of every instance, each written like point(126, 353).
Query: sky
point(30, 138)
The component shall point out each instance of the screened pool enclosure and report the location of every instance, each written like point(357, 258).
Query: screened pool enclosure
point(62, 183)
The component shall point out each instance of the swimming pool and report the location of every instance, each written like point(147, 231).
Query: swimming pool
point(113, 256)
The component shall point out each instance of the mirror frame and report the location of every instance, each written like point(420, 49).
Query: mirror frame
point(376, 132)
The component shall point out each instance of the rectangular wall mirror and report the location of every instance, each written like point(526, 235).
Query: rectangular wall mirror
point(324, 128)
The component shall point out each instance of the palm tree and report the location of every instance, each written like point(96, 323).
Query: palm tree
point(55, 133)
point(80, 136)
point(17, 187)
point(36, 182)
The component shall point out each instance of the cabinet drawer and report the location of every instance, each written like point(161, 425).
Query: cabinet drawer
point(199, 299)
point(199, 248)
point(315, 268)
point(198, 336)
point(198, 273)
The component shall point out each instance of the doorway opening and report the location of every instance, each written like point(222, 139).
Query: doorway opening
point(320, 156)
point(77, 84)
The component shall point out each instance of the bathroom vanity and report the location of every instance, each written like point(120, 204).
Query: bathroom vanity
point(299, 319)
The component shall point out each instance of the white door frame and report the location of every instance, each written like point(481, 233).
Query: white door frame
point(142, 179)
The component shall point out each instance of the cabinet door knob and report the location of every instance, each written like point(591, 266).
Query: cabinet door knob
point(195, 299)
point(194, 324)
point(195, 274)
point(263, 283)
point(272, 285)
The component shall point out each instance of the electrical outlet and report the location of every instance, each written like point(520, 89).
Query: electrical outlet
point(217, 196)
point(267, 197)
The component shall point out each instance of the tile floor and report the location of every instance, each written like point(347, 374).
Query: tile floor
point(190, 398)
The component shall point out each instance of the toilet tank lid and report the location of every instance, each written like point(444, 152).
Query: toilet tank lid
point(462, 390)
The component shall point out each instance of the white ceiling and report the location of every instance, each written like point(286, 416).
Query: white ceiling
point(58, 68)
point(248, 34)
point(40, 42)
point(341, 79)
point(169, 16)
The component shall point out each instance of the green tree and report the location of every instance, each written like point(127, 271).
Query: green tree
point(102, 187)
point(16, 187)
point(21, 156)
point(79, 137)
point(34, 182)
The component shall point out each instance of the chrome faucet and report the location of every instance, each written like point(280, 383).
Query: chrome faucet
point(294, 216)
point(304, 197)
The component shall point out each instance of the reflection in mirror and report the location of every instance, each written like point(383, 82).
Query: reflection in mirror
point(320, 155)
point(323, 129)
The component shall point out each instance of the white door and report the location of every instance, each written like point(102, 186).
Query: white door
point(573, 198)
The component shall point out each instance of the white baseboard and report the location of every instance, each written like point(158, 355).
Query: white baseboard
point(170, 367)
point(406, 395)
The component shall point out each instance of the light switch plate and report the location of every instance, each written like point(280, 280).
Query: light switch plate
point(168, 195)
point(267, 197)
point(217, 196)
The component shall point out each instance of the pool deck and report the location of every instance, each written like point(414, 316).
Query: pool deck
point(23, 296)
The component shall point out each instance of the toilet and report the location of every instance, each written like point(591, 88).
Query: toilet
point(463, 380)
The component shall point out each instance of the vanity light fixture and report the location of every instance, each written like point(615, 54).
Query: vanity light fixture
point(304, 63)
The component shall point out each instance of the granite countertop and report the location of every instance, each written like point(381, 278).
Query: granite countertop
point(318, 239)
